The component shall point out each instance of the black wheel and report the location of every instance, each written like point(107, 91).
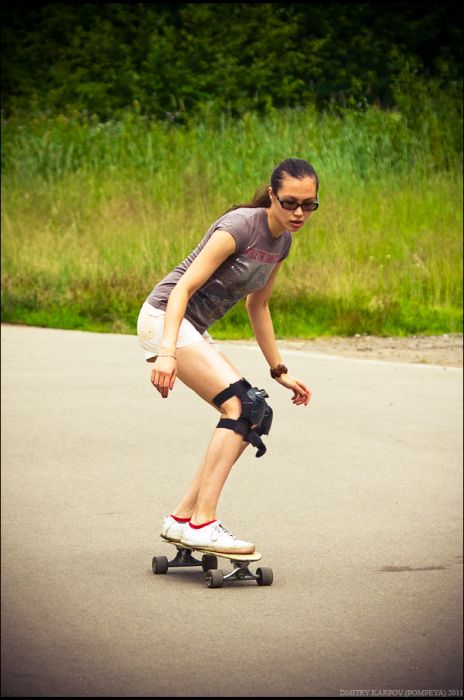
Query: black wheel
point(209, 561)
point(160, 565)
point(214, 578)
point(265, 576)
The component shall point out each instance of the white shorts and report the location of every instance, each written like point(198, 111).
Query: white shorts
point(150, 326)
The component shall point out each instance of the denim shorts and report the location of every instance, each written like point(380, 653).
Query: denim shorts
point(150, 326)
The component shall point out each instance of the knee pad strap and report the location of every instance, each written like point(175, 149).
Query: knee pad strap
point(235, 389)
point(255, 411)
point(242, 427)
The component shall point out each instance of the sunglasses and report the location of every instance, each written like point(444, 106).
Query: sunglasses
point(292, 204)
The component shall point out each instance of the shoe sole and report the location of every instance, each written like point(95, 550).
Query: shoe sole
point(217, 550)
point(170, 539)
point(209, 549)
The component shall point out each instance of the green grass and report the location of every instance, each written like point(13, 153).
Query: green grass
point(93, 215)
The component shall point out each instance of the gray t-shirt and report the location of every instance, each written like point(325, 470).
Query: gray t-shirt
point(246, 271)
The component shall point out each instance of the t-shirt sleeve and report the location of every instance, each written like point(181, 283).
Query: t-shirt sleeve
point(238, 226)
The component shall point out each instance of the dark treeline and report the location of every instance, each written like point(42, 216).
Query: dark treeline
point(170, 59)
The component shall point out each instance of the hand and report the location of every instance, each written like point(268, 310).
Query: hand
point(164, 374)
point(301, 393)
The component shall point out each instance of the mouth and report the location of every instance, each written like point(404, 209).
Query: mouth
point(297, 223)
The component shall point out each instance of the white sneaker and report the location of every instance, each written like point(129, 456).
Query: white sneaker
point(216, 538)
point(171, 530)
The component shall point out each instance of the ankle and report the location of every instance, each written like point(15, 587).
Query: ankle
point(202, 518)
point(184, 510)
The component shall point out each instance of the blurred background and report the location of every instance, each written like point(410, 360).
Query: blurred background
point(127, 129)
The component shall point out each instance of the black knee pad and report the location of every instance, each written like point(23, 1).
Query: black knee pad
point(255, 411)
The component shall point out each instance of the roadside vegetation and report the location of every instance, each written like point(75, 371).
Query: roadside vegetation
point(99, 204)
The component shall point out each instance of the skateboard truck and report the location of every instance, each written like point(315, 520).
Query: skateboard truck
point(215, 577)
point(183, 558)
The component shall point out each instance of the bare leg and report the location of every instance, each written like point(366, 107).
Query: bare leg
point(187, 505)
point(208, 372)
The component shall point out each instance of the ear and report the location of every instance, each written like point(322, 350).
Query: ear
point(270, 192)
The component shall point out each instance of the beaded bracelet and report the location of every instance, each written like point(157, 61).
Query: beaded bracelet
point(277, 371)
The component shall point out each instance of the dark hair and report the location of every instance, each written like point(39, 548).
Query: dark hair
point(295, 167)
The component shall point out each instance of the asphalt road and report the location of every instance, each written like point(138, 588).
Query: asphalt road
point(357, 507)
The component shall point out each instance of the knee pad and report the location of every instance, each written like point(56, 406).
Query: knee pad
point(255, 411)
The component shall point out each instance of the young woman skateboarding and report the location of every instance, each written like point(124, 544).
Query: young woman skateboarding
point(239, 257)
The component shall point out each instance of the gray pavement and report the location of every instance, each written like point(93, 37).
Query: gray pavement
point(356, 506)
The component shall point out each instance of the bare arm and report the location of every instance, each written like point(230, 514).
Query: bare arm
point(263, 328)
point(219, 247)
point(261, 320)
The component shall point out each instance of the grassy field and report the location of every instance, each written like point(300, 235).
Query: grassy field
point(93, 215)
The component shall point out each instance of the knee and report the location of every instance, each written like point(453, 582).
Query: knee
point(232, 408)
point(245, 411)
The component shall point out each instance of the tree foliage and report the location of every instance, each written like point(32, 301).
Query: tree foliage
point(172, 59)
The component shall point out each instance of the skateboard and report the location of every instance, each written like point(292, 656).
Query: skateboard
point(215, 577)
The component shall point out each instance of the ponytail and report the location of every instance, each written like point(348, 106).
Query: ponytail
point(261, 198)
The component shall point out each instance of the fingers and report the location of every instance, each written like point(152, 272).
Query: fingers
point(301, 394)
point(163, 381)
point(163, 384)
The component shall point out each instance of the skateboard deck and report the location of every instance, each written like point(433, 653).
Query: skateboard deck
point(214, 577)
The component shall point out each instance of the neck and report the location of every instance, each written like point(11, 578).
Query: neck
point(275, 228)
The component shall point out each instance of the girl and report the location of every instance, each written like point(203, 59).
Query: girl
point(239, 257)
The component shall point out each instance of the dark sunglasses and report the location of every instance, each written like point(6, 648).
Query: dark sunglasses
point(292, 204)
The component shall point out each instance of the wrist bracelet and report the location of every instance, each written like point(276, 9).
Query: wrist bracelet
point(277, 371)
point(173, 356)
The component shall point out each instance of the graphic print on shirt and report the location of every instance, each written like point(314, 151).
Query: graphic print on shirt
point(262, 256)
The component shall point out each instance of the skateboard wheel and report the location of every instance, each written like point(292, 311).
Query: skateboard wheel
point(265, 576)
point(160, 565)
point(214, 578)
point(209, 561)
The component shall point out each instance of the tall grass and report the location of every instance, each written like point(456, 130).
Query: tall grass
point(94, 214)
